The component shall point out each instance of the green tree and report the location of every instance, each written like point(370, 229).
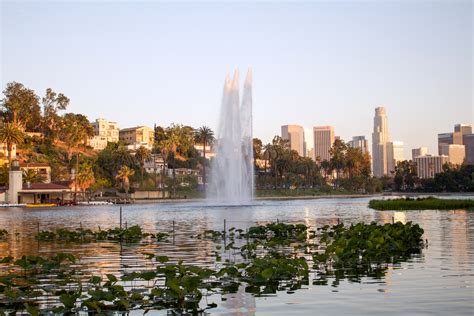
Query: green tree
point(142, 154)
point(124, 175)
point(204, 136)
point(51, 122)
point(32, 176)
point(11, 135)
point(20, 106)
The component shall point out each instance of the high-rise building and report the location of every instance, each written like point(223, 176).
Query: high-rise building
point(380, 137)
point(468, 141)
point(360, 142)
point(427, 166)
point(394, 155)
point(294, 134)
point(416, 152)
point(455, 153)
point(454, 138)
point(310, 153)
point(463, 128)
point(323, 141)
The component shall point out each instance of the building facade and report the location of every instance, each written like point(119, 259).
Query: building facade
point(468, 141)
point(416, 152)
point(360, 142)
point(295, 135)
point(455, 153)
point(380, 138)
point(106, 129)
point(427, 166)
point(323, 141)
point(394, 155)
point(138, 136)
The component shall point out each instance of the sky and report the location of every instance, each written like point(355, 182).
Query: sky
point(314, 63)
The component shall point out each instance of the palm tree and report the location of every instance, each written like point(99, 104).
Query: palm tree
point(123, 175)
point(205, 136)
point(10, 134)
point(85, 177)
point(32, 176)
point(142, 154)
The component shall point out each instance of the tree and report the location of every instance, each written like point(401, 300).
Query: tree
point(11, 135)
point(123, 175)
point(142, 154)
point(205, 136)
point(32, 176)
point(52, 104)
point(20, 106)
point(85, 177)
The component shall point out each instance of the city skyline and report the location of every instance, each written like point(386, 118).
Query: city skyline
point(106, 66)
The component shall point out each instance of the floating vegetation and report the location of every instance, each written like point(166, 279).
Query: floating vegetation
point(129, 234)
point(428, 203)
point(270, 259)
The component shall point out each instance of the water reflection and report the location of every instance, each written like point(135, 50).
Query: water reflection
point(447, 263)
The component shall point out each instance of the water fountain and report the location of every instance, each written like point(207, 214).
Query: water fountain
point(232, 168)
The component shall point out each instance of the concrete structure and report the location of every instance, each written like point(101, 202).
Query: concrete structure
point(310, 153)
point(106, 129)
point(455, 153)
point(360, 142)
point(155, 164)
point(380, 138)
point(416, 152)
point(468, 141)
point(98, 142)
point(209, 150)
point(138, 135)
point(394, 155)
point(463, 128)
point(323, 141)
point(295, 135)
point(454, 138)
point(104, 132)
point(427, 166)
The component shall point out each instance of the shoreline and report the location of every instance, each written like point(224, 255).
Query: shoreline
point(313, 197)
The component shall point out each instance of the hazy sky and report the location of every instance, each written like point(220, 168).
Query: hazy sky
point(314, 63)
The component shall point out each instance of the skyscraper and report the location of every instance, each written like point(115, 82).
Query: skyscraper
point(380, 137)
point(360, 142)
point(323, 141)
point(417, 152)
point(295, 134)
point(394, 155)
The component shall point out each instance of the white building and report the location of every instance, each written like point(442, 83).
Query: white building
point(427, 166)
point(295, 135)
point(380, 138)
point(394, 155)
point(104, 132)
point(360, 142)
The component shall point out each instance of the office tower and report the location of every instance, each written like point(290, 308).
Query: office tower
point(463, 128)
point(360, 142)
point(468, 141)
point(380, 137)
point(416, 152)
point(394, 155)
point(295, 135)
point(323, 141)
point(427, 166)
point(455, 153)
point(455, 138)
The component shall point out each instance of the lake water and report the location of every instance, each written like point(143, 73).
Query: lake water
point(439, 281)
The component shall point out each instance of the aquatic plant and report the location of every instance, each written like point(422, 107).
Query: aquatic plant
point(129, 234)
point(428, 203)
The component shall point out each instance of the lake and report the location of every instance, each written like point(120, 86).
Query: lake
point(439, 281)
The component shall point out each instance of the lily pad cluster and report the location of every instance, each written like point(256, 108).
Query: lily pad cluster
point(264, 259)
point(129, 234)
